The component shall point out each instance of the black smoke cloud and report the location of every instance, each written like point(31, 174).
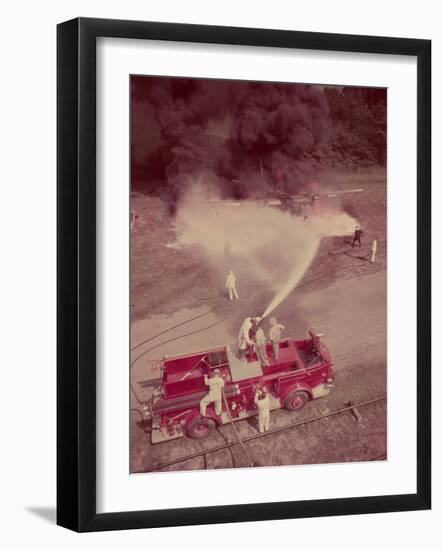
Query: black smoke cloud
point(282, 125)
point(250, 137)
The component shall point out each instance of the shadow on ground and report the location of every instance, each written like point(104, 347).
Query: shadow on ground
point(46, 513)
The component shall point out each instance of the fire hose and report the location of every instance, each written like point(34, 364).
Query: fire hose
point(174, 327)
point(240, 441)
point(190, 319)
point(257, 436)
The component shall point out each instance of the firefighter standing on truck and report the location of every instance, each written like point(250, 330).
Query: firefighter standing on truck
point(247, 335)
point(260, 347)
point(262, 402)
point(275, 335)
point(216, 385)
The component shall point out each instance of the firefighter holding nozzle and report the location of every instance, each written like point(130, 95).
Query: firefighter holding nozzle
point(246, 336)
point(262, 402)
point(215, 395)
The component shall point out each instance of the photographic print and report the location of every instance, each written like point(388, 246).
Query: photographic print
point(258, 274)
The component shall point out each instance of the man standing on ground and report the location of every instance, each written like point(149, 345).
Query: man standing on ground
point(374, 248)
point(357, 237)
point(262, 402)
point(231, 285)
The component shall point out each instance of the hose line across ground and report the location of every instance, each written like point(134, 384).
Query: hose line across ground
point(213, 308)
point(203, 315)
point(259, 435)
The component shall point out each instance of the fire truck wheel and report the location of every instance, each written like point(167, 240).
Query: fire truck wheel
point(199, 428)
point(296, 400)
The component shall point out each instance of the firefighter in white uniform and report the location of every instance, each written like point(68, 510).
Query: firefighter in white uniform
point(374, 248)
point(215, 395)
point(231, 285)
point(275, 335)
point(260, 346)
point(244, 340)
point(262, 402)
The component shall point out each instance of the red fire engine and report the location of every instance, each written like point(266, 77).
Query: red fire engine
point(304, 371)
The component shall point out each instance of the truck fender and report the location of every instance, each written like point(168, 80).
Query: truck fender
point(295, 387)
point(213, 416)
point(209, 414)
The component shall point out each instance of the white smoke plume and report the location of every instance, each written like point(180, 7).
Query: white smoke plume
point(263, 245)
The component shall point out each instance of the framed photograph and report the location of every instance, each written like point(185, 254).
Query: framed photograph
point(243, 274)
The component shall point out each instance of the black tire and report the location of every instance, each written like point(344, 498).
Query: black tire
point(296, 400)
point(200, 428)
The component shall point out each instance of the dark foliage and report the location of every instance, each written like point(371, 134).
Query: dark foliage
point(358, 126)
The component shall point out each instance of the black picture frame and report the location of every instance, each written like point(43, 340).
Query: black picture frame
point(76, 273)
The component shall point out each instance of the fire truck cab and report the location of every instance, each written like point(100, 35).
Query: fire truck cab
point(304, 371)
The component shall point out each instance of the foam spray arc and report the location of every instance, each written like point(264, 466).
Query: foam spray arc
point(295, 277)
point(332, 225)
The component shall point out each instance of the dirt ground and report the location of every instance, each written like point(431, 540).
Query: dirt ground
point(342, 295)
